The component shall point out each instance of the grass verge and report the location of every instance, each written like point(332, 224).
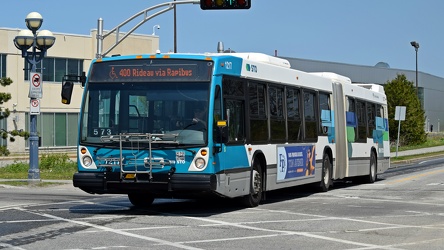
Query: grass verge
point(22, 183)
point(52, 167)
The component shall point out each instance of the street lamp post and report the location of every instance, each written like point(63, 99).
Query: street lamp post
point(416, 46)
point(39, 42)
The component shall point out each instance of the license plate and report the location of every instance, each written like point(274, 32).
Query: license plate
point(130, 176)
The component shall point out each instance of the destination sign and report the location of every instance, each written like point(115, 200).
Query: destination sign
point(149, 70)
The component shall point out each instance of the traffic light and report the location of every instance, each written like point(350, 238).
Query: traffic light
point(224, 4)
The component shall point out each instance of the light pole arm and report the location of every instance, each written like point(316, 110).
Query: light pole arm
point(144, 13)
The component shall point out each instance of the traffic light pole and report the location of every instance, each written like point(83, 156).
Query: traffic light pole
point(117, 30)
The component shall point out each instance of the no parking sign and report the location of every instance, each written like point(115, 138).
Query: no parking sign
point(35, 87)
point(34, 107)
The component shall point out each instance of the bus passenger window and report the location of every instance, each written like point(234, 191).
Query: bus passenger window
point(293, 115)
point(371, 114)
point(361, 117)
point(352, 128)
point(311, 129)
point(258, 113)
point(325, 111)
point(277, 119)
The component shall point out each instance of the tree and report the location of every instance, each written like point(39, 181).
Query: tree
point(401, 92)
point(4, 113)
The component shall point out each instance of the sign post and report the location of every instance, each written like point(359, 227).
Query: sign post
point(399, 116)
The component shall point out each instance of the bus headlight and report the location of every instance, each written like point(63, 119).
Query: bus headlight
point(87, 161)
point(200, 163)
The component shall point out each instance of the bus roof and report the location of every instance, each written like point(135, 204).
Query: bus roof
point(259, 57)
point(372, 86)
point(333, 76)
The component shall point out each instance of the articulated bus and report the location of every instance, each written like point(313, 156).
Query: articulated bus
point(229, 125)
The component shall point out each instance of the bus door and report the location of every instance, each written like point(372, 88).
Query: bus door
point(341, 162)
point(229, 105)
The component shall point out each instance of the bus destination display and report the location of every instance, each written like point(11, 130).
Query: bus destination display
point(151, 70)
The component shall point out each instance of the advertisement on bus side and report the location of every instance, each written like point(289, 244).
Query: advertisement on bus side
point(295, 162)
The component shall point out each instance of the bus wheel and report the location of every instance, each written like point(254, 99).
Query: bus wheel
point(254, 198)
point(372, 176)
point(326, 174)
point(141, 200)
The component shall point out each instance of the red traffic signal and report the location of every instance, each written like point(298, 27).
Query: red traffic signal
point(224, 4)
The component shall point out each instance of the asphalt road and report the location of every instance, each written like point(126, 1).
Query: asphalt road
point(403, 210)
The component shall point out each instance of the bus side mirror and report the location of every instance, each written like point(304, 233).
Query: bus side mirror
point(83, 79)
point(67, 88)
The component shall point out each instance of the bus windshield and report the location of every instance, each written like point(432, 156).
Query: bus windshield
point(165, 108)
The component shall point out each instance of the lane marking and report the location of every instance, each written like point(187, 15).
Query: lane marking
point(8, 246)
point(277, 233)
point(116, 231)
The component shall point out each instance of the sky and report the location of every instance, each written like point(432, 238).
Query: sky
point(362, 32)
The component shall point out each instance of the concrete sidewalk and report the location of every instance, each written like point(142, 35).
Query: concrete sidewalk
point(418, 151)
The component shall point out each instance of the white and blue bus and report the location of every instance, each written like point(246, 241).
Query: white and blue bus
point(230, 125)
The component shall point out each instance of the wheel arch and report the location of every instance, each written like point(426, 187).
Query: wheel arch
point(260, 156)
point(374, 151)
point(329, 152)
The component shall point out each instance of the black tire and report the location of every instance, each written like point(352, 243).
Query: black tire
point(141, 200)
point(326, 180)
point(254, 198)
point(373, 174)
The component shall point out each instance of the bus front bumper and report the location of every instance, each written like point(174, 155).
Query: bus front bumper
point(161, 185)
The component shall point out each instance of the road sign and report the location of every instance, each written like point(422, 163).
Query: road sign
point(399, 116)
point(400, 113)
point(35, 86)
point(34, 107)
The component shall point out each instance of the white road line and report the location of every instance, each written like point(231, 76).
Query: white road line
point(139, 229)
point(10, 246)
point(233, 238)
point(277, 233)
point(116, 231)
point(378, 200)
point(401, 244)
point(15, 206)
point(351, 219)
point(25, 221)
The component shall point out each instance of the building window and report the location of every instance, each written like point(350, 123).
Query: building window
point(3, 126)
point(2, 65)
point(55, 68)
point(56, 129)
